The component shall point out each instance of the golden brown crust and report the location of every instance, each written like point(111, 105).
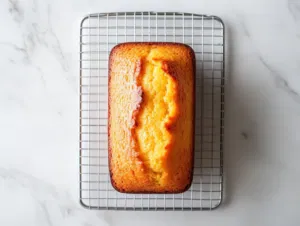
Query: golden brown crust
point(137, 175)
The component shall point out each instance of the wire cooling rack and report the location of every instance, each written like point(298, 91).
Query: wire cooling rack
point(99, 33)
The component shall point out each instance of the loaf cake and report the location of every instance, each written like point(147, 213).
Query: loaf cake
point(151, 117)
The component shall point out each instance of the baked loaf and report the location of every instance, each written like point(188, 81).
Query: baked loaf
point(151, 117)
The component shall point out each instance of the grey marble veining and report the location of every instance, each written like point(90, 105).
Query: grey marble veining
point(50, 205)
point(39, 55)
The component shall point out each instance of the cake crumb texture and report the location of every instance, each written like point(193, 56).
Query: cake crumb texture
point(151, 117)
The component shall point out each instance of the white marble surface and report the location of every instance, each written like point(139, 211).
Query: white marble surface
point(39, 45)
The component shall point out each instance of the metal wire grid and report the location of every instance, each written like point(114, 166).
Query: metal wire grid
point(99, 33)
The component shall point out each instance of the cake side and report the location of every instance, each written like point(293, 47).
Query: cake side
point(151, 117)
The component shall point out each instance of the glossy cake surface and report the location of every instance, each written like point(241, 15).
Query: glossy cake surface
point(151, 117)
